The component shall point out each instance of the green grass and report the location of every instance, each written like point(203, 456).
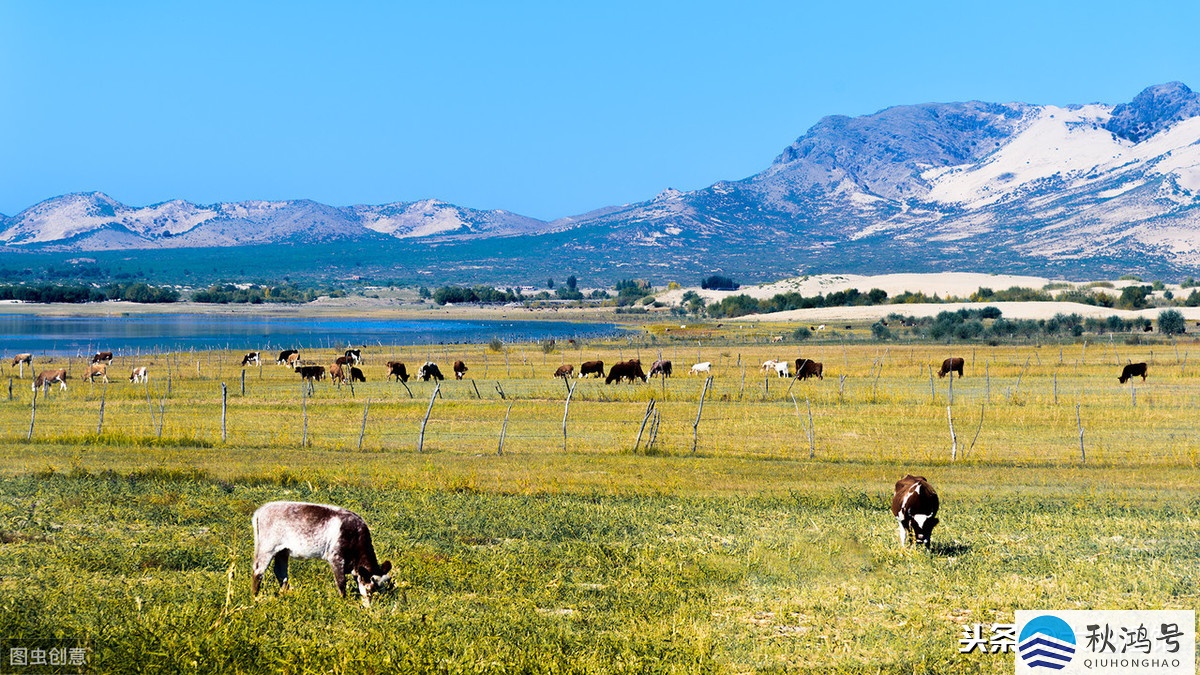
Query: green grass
point(746, 556)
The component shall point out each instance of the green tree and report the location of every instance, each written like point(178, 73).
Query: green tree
point(1171, 322)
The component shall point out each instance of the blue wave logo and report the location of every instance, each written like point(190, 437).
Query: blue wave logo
point(1046, 642)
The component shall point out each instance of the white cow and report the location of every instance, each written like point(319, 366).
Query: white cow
point(781, 369)
point(704, 367)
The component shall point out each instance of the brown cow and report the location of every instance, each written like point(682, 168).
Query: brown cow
point(626, 370)
point(952, 364)
point(564, 371)
point(397, 370)
point(49, 377)
point(806, 368)
point(294, 361)
point(21, 360)
point(1132, 370)
point(915, 506)
point(336, 374)
point(343, 360)
point(102, 357)
point(660, 367)
point(459, 369)
point(591, 368)
point(285, 357)
point(95, 369)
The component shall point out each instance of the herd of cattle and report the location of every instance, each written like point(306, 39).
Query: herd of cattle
point(345, 369)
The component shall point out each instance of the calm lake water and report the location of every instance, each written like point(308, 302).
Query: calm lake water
point(71, 336)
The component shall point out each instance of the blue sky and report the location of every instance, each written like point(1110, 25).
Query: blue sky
point(543, 109)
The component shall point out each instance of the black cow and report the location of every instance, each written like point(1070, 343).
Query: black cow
point(311, 372)
point(806, 368)
point(1132, 370)
point(660, 367)
point(285, 357)
point(591, 368)
point(625, 370)
point(356, 375)
point(397, 370)
point(952, 364)
point(430, 370)
point(915, 506)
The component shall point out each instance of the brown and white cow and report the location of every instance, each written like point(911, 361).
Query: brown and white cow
point(806, 368)
point(660, 367)
point(139, 375)
point(564, 371)
point(102, 357)
point(287, 356)
point(22, 360)
point(397, 370)
point(591, 368)
point(915, 506)
point(49, 377)
point(1132, 370)
point(953, 364)
point(95, 369)
point(337, 535)
point(251, 358)
point(460, 369)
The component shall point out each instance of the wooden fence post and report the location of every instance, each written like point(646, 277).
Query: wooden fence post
point(224, 403)
point(812, 432)
point(243, 381)
point(504, 430)
point(32, 415)
point(1079, 421)
point(362, 432)
point(304, 412)
point(646, 418)
point(433, 397)
point(100, 423)
point(567, 409)
point(699, 412)
point(953, 436)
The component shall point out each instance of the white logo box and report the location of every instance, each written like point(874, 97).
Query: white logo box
point(1106, 642)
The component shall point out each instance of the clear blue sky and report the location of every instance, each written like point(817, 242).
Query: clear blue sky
point(543, 109)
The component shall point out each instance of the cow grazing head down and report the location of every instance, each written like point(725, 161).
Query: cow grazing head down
point(397, 370)
point(660, 368)
point(303, 530)
point(915, 506)
point(626, 370)
point(564, 371)
point(1132, 370)
point(953, 364)
point(430, 370)
point(251, 358)
point(287, 357)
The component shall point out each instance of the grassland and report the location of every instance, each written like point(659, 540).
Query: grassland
point(584, 556)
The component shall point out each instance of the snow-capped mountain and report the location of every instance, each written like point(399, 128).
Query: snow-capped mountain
point(986, 186)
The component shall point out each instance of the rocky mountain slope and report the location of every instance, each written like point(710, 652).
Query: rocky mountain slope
point(985, 186)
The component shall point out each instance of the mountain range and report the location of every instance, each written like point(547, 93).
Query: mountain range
point(1002, 187)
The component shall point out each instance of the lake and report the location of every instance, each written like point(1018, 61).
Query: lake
point(72, 336)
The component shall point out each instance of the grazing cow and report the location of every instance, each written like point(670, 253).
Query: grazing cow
point(625, 370)
point(311, 372)
point(355, 355)
point(356, 375)
point(287, 356)
point(336, 374)
point(429, 370)
point(591, 368)
point(49, 377)
point(250, 359)
point(952, 364)
point(660, 367)
point(781, 369)
point(21, 360)
point(806, 368)
point(1132, 370)
point(102, 357)
point(95, 369)
point(459, 369)
point(769, 364)
point(915, 506)
point(564, 371)
point(336, 535)
point(293, 360)
point(397, 370)
point(703, 367)
point(343, 360)
point(139, 375)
